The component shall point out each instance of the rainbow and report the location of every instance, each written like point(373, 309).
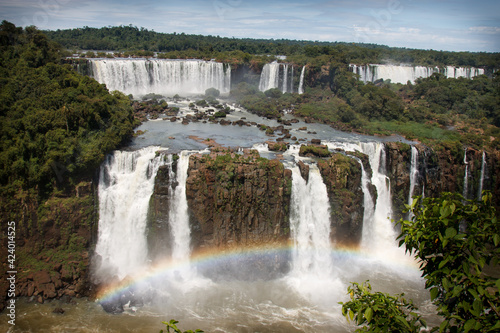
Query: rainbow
point(216, 256)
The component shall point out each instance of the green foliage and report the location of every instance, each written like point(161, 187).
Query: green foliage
point(144, 42)
point(380, 312)
point(320, 151)
point(172, 324)
point(457, 242)
point(55, 125)
point(212, 92)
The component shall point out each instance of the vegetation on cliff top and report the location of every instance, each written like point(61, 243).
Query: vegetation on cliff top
point(55, 125)
point(144, 42)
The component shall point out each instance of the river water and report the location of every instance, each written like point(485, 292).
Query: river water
point(235, 291)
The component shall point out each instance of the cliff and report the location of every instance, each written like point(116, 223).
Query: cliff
point(53, 240)
point(440, 169)
point(342, 177)
point(237, 199)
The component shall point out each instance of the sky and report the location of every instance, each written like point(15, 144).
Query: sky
point(451, 25)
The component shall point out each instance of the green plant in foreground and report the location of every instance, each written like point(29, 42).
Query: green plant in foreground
point(380, 312)
point(172, 325)
point(457, 244)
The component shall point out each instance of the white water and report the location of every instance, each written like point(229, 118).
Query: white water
point(162, 76)
point(379, 235)
point(369, 208)
point(276, 75)
point(481, 180)
point(413, 177)
point(312, 273)
point(403, 74)
point(178, 215)
point(466, 176)
point(301, 82)
point(305, 300)
point(126, 183)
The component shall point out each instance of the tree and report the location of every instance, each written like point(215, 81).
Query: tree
point(456, 242)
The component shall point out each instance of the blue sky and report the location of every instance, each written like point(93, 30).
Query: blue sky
point(454, 25)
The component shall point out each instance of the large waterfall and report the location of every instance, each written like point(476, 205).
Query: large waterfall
point(125, 187)
point(162, 76)
point(403, 74)
point(310, 224)
point(276, 75)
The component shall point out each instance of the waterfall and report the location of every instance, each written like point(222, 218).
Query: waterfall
point(126, 184)
point(310, 224)
point(162, 76)
point(285, 79)
point(466, 176)
point(312, 274)
point(403, 74)
point(179, 217)
point(269, 78)
point(413, 177)
point(379, 236)
point(367, 200)
point(276, 75)
point(301, 82)
point(481, 179)
point(382, 237)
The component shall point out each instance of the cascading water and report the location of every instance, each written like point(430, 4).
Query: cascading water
point(301, 81)
point(413, 177)
point(369, 208)
point(276, 75)
point(382, 240)
point(403, 74)
point(466, 176)
point(162, 76)
point(126, 184)
point(481, 179)
point(310, 224)
point(312, 267)
point(179, 218)
point(379, 235)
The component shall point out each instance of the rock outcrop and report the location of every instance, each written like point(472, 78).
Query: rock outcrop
point(237, 199)
point(342, 177)
point(52, 246)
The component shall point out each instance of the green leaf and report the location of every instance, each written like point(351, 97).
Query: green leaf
point(443, 325)
point(369, 314)
point(445, 211)
point(450, 232)
point(434, 293)
point(496, 239)
point(469, 325)
point(351, 314)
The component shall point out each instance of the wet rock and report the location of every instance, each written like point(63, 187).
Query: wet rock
point(58, 311)
point(112, 306)
point(304, 170)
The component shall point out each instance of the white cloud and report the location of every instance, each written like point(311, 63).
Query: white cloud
point(485, 30)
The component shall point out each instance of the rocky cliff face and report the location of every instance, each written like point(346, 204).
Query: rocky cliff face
point(52, 246)
point(342, 177)
point(439, 170)
point(237, 199)
point(158, 232)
